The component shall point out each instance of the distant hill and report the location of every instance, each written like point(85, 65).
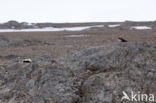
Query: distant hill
point(12, 24)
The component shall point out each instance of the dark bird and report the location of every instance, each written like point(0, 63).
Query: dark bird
point(27, 60)
point(122, 40)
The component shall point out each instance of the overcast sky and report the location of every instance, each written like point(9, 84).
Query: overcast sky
point(77, 10)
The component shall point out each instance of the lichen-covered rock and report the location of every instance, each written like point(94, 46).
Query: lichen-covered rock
point(105, 72)
point(96, 75)
point(37, 83)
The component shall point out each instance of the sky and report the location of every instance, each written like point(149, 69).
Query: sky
point(77, 10)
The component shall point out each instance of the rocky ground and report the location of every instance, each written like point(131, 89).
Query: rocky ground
point(95, 68)
point(95, 75)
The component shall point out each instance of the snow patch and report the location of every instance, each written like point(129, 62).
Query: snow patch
point(141, 27)
point(78, 35)
point(113, 25)
point(46, 29)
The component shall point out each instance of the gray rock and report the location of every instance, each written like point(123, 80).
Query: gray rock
point(105, 72)
point(96, 75)
point(37, 83)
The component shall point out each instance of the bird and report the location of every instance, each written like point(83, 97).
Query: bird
point(122, 40)
point(27, 60)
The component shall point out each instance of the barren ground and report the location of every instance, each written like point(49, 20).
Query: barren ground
point(57, 44)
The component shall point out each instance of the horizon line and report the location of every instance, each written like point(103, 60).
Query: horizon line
point(80, 21)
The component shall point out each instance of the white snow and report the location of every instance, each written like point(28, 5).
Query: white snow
point(113, 25)
point(78, 35)
point(46, 29)
point(141, 27)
